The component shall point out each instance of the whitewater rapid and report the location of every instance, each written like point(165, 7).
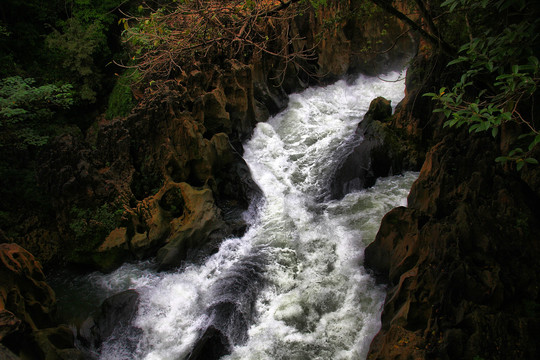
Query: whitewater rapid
point(293, 287)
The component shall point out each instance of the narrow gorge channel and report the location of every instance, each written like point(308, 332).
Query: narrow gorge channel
point(293, 287)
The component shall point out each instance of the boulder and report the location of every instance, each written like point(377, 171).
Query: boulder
point(115, 315)
point(375, 153)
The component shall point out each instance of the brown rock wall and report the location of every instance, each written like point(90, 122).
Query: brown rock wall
point(27, 305)
point(461, 260)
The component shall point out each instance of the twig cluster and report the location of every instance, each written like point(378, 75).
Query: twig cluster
point(167, 40)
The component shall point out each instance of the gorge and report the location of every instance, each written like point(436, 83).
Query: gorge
point(293, 285)
point(278, 264)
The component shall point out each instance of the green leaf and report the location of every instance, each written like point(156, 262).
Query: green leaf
point(520, 164)
point(531, 161)
point(507, 116)
point(457, 61)
point(534, 142)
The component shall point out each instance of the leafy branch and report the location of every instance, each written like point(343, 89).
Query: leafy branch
point(500, 76)
point(25, 109)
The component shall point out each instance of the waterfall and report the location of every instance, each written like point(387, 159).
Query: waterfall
point(293, 287)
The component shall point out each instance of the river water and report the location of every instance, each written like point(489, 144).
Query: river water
point(293, 287)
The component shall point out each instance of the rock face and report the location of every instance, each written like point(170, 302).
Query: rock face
point(461, 261)
point(377, 153)
point(27, 305)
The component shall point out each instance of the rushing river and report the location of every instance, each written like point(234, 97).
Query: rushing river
point(293, 287)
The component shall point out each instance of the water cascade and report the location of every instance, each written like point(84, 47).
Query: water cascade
point(293, 287)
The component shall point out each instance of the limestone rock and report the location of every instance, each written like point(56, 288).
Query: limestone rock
point(9, 323)
point(193, 230)
point(27, 304)
point(460, 261)
point(7, 354)
point(24, 292)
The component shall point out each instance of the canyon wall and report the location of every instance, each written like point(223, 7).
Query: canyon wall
point(461, 261)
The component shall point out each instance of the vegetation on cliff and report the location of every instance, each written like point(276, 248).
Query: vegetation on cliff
point(493, 64)
point(55, 80)
point(190, 70)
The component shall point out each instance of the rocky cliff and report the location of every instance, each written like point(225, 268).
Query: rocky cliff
point(461, 261)
point(168, 180)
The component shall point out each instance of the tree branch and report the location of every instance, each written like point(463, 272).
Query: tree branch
point(433, 39)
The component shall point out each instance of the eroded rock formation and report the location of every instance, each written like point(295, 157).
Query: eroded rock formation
point(377, 152)
point(27, 305)
point(461, 260)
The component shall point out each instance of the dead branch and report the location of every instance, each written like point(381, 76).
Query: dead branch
point(166, 40)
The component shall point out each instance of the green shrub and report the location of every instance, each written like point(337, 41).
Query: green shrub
point(121, 100)
point(91, 226)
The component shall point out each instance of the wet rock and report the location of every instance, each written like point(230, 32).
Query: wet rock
point(114, 316)
point(212, 345)
point(375, 153)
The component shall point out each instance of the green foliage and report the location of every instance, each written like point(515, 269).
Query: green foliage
point(75, 49)
point(91, 226)
point(4, 32)
point(121, 100)
point(26, 110)
point(317, 4)
point(499, 75)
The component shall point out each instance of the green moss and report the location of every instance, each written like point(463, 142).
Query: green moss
point(91, 226)
point(121, 100)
